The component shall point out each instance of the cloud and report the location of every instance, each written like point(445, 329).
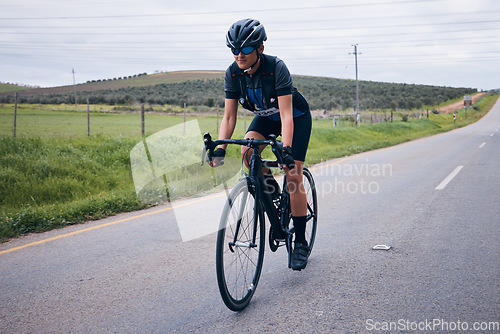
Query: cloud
point(399, 41)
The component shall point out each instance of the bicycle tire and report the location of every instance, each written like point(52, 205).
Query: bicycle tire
point(312, 212)
point(239, 267)
point(312, 208)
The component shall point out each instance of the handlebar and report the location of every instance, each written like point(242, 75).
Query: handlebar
point(210, 145)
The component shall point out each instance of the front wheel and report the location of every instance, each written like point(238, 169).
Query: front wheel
point(240, 248)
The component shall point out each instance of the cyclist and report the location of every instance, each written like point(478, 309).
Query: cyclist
point(263, 85)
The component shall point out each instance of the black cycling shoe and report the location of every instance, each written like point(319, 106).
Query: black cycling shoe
point(300, 255)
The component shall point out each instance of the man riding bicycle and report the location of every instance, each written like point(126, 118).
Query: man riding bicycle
point(263, 85)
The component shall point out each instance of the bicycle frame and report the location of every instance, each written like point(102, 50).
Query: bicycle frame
point(255, 180)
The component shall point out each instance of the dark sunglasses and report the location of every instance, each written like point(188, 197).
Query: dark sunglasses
point(246, 50)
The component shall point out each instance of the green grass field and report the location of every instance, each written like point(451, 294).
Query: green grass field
point(61, 123)
point(53, 174)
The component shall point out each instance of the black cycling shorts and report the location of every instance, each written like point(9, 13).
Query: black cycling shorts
point(301, 132)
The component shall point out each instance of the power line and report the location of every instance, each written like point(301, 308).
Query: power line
point(276, 22)
point(188, 49)
point(127, 33)
point(389, 26)
point(364, 35)
point(126, 44)
point(384, 3)
point(276, 30)
point(305, 59)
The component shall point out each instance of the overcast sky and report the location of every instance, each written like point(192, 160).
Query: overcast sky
point(435, 42)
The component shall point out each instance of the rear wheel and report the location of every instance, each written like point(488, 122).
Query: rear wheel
point(311, 216)
point(312, 208)
point(239, 259)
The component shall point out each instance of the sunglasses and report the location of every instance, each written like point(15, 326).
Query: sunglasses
point(246, 50)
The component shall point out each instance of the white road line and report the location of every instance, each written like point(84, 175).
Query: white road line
point(445, 182)
point(482, 145)
point(492, 135)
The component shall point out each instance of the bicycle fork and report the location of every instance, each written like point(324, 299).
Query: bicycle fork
point(236, 242)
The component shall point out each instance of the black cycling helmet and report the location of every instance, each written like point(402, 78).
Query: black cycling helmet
point(245, 33)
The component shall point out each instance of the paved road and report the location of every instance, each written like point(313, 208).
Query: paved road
point(133, 274)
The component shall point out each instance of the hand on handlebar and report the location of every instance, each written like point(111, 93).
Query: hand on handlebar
point(215, 157)
point(287, 158)
point(218, 157)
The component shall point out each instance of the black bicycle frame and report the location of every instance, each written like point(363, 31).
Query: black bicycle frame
point(255, 180)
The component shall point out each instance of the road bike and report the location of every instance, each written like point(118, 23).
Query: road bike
point(242, 229)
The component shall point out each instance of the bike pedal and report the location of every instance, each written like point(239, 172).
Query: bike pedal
point(274, 244)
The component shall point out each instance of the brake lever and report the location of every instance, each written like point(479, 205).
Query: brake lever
point(277, 150)
point(203, 156)
point(208, 150)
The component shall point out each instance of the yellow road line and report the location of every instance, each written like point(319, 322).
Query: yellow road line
point(81, 231)
point(100, 226)
point(140, 216)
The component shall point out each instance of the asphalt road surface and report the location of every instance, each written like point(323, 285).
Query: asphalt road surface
point(435, 201)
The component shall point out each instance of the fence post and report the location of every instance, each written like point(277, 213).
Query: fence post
point(217, 126)
point(244, 120)
point(88, 117)
point(142, 119)
point(184, 132)
point(15, 113)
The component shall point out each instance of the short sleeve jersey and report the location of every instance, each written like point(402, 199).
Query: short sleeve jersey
point(253, 83)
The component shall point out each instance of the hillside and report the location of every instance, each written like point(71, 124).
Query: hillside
point(8, 88)
point(207, 88)
point(138, 80)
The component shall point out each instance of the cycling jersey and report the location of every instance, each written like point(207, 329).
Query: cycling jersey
point(259, 92)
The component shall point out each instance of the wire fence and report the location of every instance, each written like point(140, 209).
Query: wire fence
point(87, 119)
point(371, 117)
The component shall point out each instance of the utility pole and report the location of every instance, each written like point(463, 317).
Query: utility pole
point(357, 84)
point(15, 113)
point(74, 85)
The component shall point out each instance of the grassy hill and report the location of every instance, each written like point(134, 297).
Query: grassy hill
point(207, 88)
point(9, 88)
point(138, 80)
